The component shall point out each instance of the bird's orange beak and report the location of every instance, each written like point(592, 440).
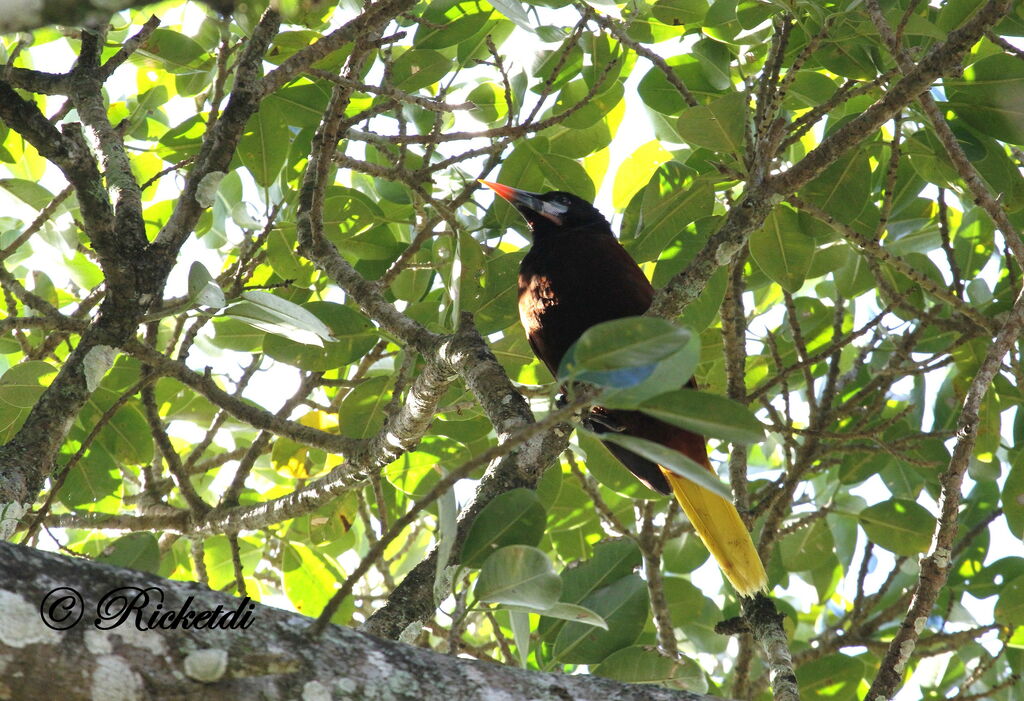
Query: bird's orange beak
point(523, 200)
point(503, 191)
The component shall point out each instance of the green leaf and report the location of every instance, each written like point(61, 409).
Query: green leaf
point(136, 551)
point(353, 337)
point(645, 665)
point(300, 105)
point(607, 470)
point(782, 250)
point(663, 222)
point(174, 49)
point(808, 89)
point(989, 98)
point(202, 288)
point(23, 384)
point(362, 411)
point(621, 344)
point(444, 34)
point(623, 605)
point(447, 516)
point(417, 69)
point(91, 479)
point(496, 308)
point(677, 12)
point(671, 460)
point(237, 335)
point(264, 146)
point(127, 436)
point(277, 315)
point(835, 677)
point(219, 562)
point(685, 553)
point(560, 172)
point(1009, 609)
point(32, 194)
point(567, 612)
point(899, 525)
point(843, 189)
point(515, 517)
point(675, 370)
point(490, 102)
point(854, 277)
point(1013, 497)
point(707, 414)
point(518, 575)
point(513, 9)
point(309, 582)
point(575, 93)
point(416, 472)
point(637, 169)
point(714, 58)
point(808, 547)
point(610, 561)
point(660, 95)
point(718, 126)
point(519, 620)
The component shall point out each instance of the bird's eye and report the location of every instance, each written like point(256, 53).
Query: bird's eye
point(562, 199)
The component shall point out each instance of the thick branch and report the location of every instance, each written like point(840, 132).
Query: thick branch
point(413, 600)
point(271, 659)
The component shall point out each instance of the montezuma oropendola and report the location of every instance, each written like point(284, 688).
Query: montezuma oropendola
point(576, 275)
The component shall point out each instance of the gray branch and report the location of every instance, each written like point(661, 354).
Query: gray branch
point(271, 659)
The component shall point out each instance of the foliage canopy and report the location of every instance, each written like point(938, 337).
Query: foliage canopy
point(248, 314)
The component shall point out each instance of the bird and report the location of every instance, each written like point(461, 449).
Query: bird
point(575, 275)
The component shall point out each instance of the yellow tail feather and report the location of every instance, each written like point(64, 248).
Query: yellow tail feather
point(720, 527)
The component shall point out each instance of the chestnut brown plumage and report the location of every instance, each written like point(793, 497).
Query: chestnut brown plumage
point(575, 275)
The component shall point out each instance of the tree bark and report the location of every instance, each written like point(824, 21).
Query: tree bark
point(270, 659)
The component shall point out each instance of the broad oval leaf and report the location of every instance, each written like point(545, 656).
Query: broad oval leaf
point(515, 517)
point(707, 414)
point(663, 221)
point(645, 665)
point(439, 34)
point(782, 250)
point(718, 126)
point(808, 548)
point(137, 551)
point(843, 189)
point(624, 605)
point(634, 343)
point(24, 383)
point(202, 288)
point(352, 336)
point(833, 677)
point(673, 371)
point(566, 612)
point(1009, 609)
point(636, 170)
point(991, 97)
point(899, 525)
point(518, 575)
point(1013, 496)
point(276, 315)
point(362, 411)
point(671, 460)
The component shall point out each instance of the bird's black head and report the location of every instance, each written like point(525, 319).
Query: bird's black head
point(553, 212)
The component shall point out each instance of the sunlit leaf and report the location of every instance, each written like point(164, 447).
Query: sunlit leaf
point(518, 575)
